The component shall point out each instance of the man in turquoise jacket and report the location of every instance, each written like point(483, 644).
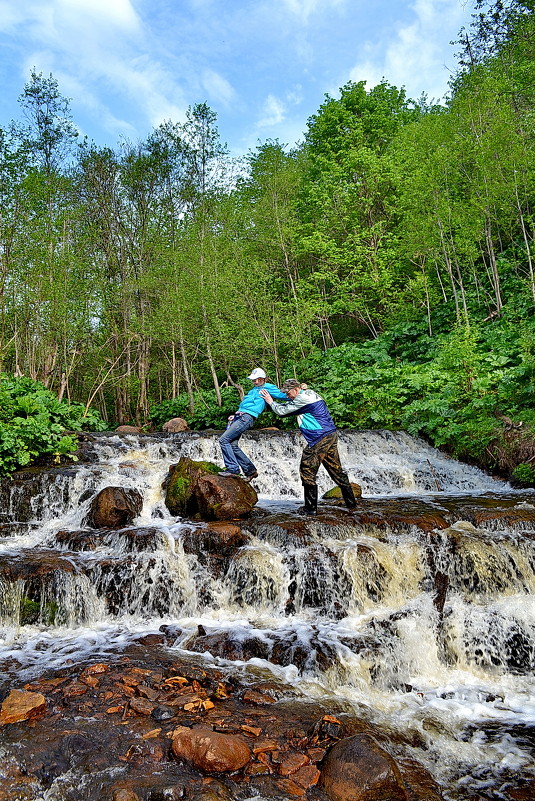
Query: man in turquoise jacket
point(249, 409)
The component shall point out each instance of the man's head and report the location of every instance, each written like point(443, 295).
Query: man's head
point(258, 377)
point(291, 388)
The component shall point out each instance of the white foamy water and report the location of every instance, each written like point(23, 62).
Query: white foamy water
point(350, 613)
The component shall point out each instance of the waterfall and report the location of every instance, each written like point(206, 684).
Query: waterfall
point(348, 610)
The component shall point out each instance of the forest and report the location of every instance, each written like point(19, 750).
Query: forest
point(388, 260)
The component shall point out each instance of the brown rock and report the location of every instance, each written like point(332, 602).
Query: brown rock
point(142, 706)
point(175, 426)
point(224, 498)
point(210, 751)
point(257, 698)
point(124, 794)
point(306, 776)
point(114, 507)
point(291, 788)
point(180, 483)
point(128, 430)
point(21, 705)
point(292, 763)
point(358, 769)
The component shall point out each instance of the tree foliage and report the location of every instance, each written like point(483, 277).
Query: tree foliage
point(149, 278)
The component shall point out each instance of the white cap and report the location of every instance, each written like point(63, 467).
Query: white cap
point(257, 373)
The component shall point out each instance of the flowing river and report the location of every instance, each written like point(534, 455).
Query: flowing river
point(354, 602)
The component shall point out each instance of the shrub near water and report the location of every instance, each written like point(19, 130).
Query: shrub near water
point(33, 423)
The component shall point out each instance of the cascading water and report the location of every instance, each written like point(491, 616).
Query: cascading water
point(349, 611)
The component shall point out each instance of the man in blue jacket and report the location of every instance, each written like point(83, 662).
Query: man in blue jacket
point(249, 409)
point(320, 432)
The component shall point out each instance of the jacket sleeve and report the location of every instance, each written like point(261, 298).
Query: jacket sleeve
point(292, 406)
point(275, 392)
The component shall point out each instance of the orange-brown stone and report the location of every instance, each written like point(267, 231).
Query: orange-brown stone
point(210, 751)
point(21, 705)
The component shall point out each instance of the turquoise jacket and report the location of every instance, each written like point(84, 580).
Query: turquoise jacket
point(254, 404)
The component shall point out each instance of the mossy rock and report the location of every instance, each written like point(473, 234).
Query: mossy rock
point(180, 482)
point(335, 493)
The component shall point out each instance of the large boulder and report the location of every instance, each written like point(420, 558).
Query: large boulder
point(358, 769)
point(195, 489)
point(114, 507)
point(210, 751)
point(180, 484)
point(175, 426)
point(224, 498)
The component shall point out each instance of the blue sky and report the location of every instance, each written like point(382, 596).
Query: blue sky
point(263, 66)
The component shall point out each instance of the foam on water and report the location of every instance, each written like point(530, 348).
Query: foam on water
point(362, 605)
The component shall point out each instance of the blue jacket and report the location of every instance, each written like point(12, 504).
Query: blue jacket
point(254, 404)
point(312, 413)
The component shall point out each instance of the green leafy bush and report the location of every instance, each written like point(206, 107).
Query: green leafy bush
point(524, 474)
point(34, 425)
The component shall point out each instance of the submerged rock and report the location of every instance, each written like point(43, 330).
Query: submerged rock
point(358, 769)
point(210, 751)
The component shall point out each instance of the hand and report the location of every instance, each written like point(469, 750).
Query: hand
point(267, 397)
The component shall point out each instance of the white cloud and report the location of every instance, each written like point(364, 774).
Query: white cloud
point(415, 58)
point(90, 42)
point(305, 8)
point(273, 112)
point(218, 88)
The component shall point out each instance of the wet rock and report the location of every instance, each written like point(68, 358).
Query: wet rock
point(170, 793)
point(142, 706)
point(180, 483)
point(84, 540)
point(217, 537)
point(358, 769)
point(215, 791)
point(224, 498)
point(33, 564)
point(210, 751)
point(124, 794)
point(114, 507)
point(336, 493)
point(225, 645)
point(175, 425)
point(163, 713)
point(22, 705)
point(26, 493)
point(419, 781)
point(257, 697)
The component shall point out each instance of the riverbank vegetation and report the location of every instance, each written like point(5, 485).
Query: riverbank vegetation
point(388, 259)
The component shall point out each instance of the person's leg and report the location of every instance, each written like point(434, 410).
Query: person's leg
point(242, 459)
point(308, 470)
point(233, 456)
point(229, 438)
point(330, 459)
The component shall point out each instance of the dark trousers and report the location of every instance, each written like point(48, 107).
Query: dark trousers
point(324, 452)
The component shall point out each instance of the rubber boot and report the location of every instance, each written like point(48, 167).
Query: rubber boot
point(349, 496)
point(310, 492)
